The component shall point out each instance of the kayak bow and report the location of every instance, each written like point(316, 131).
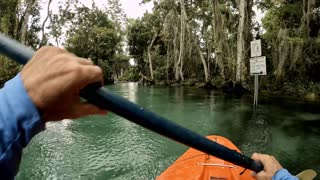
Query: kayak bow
point(197, 165)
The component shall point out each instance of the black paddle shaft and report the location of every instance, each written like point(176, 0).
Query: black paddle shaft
point(106, 100)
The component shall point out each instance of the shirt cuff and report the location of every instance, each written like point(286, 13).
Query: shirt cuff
point(284, 174)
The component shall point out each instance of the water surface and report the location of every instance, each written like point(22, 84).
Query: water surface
point(113, 148)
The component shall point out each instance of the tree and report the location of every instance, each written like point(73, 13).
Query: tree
point(142, 38)
point(179, 64)
point(19, 20)
point(44, 37)
point(188, 46)
point(149, 55)
point(64, 19)
point(244, 28)
point(219, 35)
point(292, 33)
point(93, 35)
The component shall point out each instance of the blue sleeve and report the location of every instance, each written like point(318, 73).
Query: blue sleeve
point(283, 174)
point(19, 122)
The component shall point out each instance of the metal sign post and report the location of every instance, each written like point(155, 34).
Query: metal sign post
point(257, 67)
point(256, 87)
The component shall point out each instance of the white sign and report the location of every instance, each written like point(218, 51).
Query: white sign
point(256, 48)
point(258, 66)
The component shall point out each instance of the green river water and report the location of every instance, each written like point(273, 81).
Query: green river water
point(113, 148)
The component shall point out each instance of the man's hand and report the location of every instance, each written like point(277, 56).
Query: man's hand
point(270, 164)
point(53, 79)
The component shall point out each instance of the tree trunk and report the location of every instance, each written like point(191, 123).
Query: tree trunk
point(168, 62)
point(208, 61)
point(25, 21)
point(308, 6)
point(241, 39)
point(149, 55)
point(145, 78)
point(218, 32)
point(179, 70)
point(205, 67)
point(15, 27)
point(193, 38)
point(42, 42)
point(175, 52)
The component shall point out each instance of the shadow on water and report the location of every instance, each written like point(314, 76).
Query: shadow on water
point(114, 148)
point(292, 132)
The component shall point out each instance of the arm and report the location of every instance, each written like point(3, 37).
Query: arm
point(47, 89)
point(19, 122)
point(283, 174)
point(272, 169)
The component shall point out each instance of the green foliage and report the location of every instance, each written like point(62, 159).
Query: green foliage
point(217, 82)
point(12, 18)
point(130, 75)
point(107, 68)
point(290, 36)
point(139, 35)
point(160, 73)
point(8, 69)
point(93, 35)
point(293, 48)
point(300, 88)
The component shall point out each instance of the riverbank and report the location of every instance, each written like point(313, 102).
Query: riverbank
point(295, 91)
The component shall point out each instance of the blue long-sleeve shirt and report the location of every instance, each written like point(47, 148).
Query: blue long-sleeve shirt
point(20, 121)
point(283, 174)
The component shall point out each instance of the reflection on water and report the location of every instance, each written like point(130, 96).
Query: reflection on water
point(129, 90)
point(113, 148)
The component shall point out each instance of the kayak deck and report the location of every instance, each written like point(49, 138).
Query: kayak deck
point(197, 165)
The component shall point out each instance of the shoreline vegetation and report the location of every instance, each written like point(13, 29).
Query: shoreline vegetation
point(313, 94)
point(204, 44)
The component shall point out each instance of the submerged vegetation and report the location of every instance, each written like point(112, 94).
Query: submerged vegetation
point(182, 42)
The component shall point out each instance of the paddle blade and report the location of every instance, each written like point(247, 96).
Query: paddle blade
point(308, 174)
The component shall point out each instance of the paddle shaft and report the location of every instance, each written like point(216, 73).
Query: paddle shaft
point(137, 114)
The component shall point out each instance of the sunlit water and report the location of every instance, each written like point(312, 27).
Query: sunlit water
point(113, 148)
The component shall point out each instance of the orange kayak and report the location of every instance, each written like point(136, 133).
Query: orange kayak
point(197, 165)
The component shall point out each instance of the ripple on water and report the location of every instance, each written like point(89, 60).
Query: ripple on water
point(128, 147)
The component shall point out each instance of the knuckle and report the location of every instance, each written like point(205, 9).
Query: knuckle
point(99, 71)
point(64, 57)
point(254, 154)
point(60, 57)
point(43, 50)
point(71, 67)
point(46, 49)
point(86, 61)
point(49, 52)
point(90, 62)
point(76, 70)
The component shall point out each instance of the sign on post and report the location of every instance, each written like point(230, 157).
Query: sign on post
point(258, 66)
point(256, 48)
